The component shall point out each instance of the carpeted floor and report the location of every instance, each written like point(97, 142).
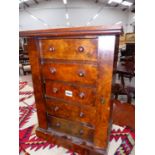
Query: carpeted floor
point(122, 139)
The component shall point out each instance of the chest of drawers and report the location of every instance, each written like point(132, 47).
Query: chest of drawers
point(72, 71)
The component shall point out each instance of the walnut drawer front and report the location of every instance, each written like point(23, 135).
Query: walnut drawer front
point(86, 73)
point(71, 128)
point(86, 115)
point(71, 92)
point(70, 49)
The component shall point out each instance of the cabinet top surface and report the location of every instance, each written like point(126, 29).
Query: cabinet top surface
point(87, 30)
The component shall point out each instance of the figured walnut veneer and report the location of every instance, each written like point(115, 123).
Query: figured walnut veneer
point(72, 71)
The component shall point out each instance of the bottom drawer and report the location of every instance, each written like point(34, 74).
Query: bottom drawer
point(71, 128)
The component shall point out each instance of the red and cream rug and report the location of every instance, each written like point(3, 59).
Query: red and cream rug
point(122, 139)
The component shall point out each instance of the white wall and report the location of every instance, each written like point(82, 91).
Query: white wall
point(131, 22)
point(80, 12)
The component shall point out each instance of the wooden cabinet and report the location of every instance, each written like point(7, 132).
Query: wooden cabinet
point(72, 71)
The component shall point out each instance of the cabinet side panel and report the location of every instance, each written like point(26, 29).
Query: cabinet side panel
point(116, 53)
point(37, 83)
point(106, 48)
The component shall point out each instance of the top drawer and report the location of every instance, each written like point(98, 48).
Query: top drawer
point(70, 49)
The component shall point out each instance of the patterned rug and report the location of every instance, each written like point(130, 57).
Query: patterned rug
point(122, 139)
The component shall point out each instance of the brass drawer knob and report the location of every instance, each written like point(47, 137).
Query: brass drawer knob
point(55, 90)
point(82, 95)
point(81, 73)
point(56, 108)
point(102, 100)
point(53, 70)
point(51, 49)
point(81, 114)
point(58, 124)
point(81, 49)
point(81, 132)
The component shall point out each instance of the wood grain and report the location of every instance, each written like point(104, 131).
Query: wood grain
point(71, 112)
point(69, 49)
point(76, 31)
point(72, 128)
point(79, 94)
point(105, 62)
point(37, 82)
point(79, 146)
point(71, 72)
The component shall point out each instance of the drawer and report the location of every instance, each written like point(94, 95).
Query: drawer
point(71, 92)
point(71, 128)
point(70, 49)
point(86, 73)
point(86, 115)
